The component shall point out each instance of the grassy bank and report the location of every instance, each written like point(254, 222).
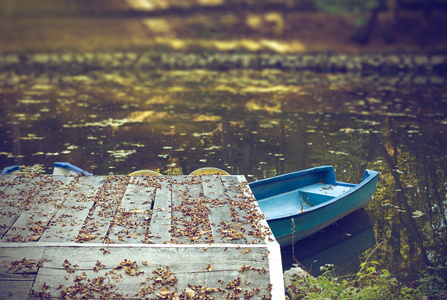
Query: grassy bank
point(370, 282)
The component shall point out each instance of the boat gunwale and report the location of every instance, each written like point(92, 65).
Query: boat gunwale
point(292, 175)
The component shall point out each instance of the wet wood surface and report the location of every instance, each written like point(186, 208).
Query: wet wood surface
point(172, 237)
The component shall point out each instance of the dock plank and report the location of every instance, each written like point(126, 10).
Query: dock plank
point(245, 209)
point(223, 225)
point(18, 269)
point(15, 198)
point(72, 213)
point(66, 223)
point(40, 210)
point(137, 271)
point(160, 223)
point(130, 223)
point(96, 226)
point(190, 222)
point(5, 180)
point(8, 216)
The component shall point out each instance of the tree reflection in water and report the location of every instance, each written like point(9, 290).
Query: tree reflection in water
point(257, 123)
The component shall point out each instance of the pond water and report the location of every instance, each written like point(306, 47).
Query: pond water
point(257, 123)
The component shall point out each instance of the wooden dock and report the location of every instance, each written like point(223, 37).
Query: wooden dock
point(142, 237)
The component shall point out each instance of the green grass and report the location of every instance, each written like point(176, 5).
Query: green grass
point(370, 282)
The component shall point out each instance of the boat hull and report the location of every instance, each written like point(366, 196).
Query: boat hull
point(299, 220)
point(59, 168)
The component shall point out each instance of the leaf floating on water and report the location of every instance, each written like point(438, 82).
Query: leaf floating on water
point(104, 123)
point(225, 88)
point(196, 134)
point(338, 152)
point(121, 153)
point(133, 144)
point(32, 101)
point(52, 154)
point(418, 214)
point(372, 100)
point(42, 87)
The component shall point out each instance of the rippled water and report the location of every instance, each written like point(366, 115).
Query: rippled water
point(257, 123)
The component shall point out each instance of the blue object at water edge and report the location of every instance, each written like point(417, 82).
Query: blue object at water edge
point(302, 203)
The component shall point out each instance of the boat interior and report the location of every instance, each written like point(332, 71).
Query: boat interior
point(301, 199)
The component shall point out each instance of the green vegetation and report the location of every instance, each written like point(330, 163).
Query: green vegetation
point(370, 282)
point(357, 10)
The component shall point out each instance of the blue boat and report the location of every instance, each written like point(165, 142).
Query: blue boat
point(299, 204)
point(59, 168)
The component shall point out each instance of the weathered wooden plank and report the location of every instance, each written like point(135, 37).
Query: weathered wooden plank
point(246, 210)
point(10, 208)
point(5, 180)
point(31, 224)
point(190, 222)
point(131, 220)
point(223, 225)
point(179, 191)
point(8, 215)
point(18, 269)
point(85, 188)
point(275, 270)
point(138, 272)
point(15, 198)
point(64, 226)
point(18, 183)
point(262, 229)
point(160, 223)
point(71, 215)
point(96, 226)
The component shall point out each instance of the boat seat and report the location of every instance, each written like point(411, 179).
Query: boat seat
point(320, 192)
point(300, 199)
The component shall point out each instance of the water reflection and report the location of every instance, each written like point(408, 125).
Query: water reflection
point(339, 243)
point(258, 123)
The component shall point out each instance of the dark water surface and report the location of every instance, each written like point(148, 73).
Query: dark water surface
point(257, 123)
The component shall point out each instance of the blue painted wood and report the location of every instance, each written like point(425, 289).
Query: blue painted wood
point(301, 203)
point(59, 168)
point(64, 168)
point(10, 170)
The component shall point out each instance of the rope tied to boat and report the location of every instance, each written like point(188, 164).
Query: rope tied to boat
point(303, 203)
